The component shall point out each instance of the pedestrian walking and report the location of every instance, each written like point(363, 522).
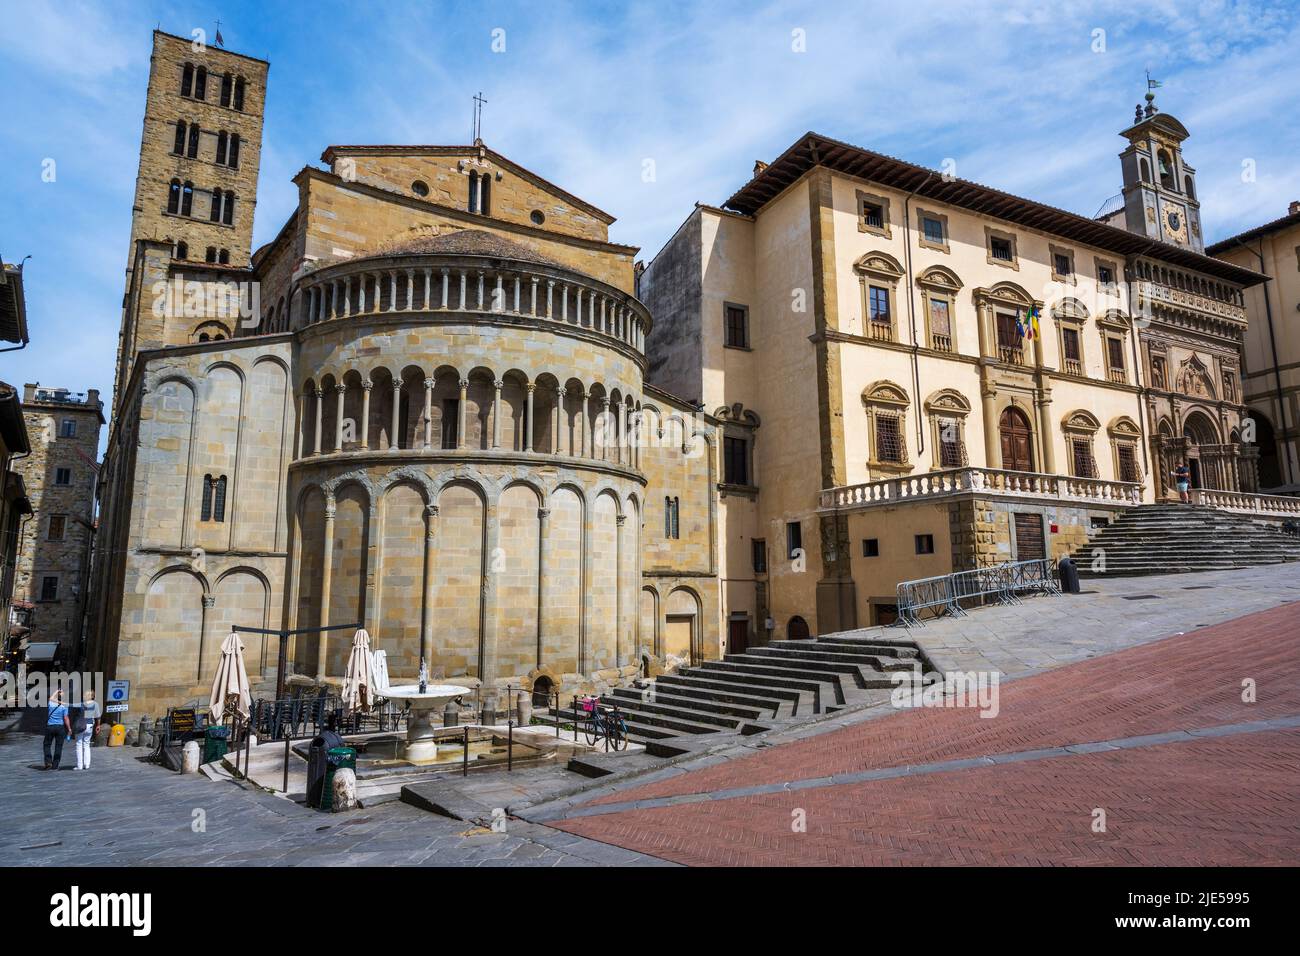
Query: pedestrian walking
point(57, 729)
point(1183, 480)
point(84, 729)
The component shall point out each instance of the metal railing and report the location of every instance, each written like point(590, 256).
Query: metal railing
point(944, 594)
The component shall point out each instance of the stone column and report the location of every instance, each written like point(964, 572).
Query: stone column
point(362, 280)
point(394, 441)
point(428, 290)
point(428, 413)
point(619, 547)
point(365, 413)
point(341, 390)
point(604, 430)
point(460, 420)
point(347, 296)
point(446, 290)
point(586, 451)
point(550, 291)
point(320, 395)
point(392, 290)
point(426, 605)
point(496, 410)
point(491, 612)
point(528, 417)
point(1048, 432)
point(543, 576)
point(410, 290)
point(327, 571)
point(302, 423)
point(992, 444)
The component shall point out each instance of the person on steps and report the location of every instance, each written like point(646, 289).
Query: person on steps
point(1183, 480)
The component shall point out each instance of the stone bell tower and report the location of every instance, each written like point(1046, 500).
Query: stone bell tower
point(1159, 187)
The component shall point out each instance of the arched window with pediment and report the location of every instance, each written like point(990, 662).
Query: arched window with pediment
point(878, 275)
point(938, 289)
point(886, 406)
point(947, 411)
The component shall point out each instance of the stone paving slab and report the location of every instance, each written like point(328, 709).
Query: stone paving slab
point(123, 812)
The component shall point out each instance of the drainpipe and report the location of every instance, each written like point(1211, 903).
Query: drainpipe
point(911, 315)
point(1272, 341)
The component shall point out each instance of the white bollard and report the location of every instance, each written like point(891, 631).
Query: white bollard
point(345, 789)
point(190, 755)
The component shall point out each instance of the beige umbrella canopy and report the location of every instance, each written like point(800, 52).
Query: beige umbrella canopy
point(230, 689)
point(359, 681)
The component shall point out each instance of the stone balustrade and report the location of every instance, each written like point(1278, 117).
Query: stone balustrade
point(1246, 503)
point(983, 481)
point(393, 285)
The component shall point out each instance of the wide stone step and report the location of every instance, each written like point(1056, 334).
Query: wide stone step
point(786, 702)
point(634, 708)
point(824, 690)
point(663, 695)
point(637, 732)
point(649, 717)
point(836, 655)
point(857, 674)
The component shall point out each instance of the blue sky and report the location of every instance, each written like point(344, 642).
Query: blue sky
point(1016, 93)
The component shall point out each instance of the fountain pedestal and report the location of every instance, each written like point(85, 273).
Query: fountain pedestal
point(421, 745)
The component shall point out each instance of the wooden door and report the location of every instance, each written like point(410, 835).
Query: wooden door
point(1029, 537)
point(737, 635)
point(1017, 448)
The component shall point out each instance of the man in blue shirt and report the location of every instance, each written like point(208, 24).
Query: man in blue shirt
point(57, 729)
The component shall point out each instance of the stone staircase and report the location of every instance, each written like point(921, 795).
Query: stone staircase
point(745, 693)
point(1173, 538)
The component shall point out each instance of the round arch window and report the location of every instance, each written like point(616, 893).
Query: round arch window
point(420, 187)
point(537, 217)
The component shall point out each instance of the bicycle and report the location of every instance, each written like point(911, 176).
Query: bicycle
point(604, 721)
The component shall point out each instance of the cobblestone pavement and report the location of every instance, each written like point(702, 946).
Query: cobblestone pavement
point(1157, 736)
point(123, 812)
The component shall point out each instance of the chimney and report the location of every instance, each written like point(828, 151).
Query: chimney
point(759, 166)
point(1294, 208)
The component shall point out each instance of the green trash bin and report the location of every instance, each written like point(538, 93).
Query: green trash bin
point(335, 759)
point(215, 743)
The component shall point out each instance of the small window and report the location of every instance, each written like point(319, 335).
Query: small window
point(925, 544)
point(878, 302)
point(68, 428)
point(223, 140)
point(1081, 458)
point(952, 449)
point(737, 327)
point(50, 587)
point(871, 547)
point(223, 257)
point(193, 150)
point(174, 197)
point(239, 93)
point(57, 528)
point(793, 537)
point(1000, 248)
point(215, 212)
point(201, 83)
point(537, 217)
point(187, 199)
point(735, 461)
point(450, 422)
point(232, 158)
point(1115, 354)
point(933, 230)
point(210, 255)
point(187, 80)
point(182, 250)
point(889, 439)
point(228, 211)
point(873, 214)
point(213, 506)
point(178, 147)
point(420, 188)
point(1105, 275)
point(1128, 467)
point(63, 476)
point(672, 517)
point(1063, 265)
point(758, 549)
point(1073, 353)
point(227, 89)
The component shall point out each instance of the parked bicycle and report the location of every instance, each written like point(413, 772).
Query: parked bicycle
point(603, 721)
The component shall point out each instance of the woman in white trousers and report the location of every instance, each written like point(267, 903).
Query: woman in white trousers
point(90, 713)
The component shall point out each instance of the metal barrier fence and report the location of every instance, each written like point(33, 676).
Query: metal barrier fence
point(945, 593)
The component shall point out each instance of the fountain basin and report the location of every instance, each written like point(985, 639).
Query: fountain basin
point(421, 747)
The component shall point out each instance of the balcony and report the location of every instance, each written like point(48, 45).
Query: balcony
point(985, 482)
point(880, 331)
point(1117, 375)
point(1011, 354)
point(941, 343)
point(1073, 367)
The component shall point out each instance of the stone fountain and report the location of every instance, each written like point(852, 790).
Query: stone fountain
point(424, 699)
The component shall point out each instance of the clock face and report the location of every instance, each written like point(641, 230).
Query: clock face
point(1176, 224)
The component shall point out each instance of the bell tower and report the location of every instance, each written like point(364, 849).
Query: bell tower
point(1159, 187)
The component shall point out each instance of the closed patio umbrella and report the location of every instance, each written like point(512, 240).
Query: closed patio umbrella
point(359, 681)
point(379, 672)
point(230, 689)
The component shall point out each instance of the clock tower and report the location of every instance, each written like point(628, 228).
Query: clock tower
point(1159, 187)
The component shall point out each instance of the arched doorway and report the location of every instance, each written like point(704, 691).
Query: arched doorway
point(1199, 431)
point(1270, 465)
point(1017, 440)
point(797, 629)
point(543, 688)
